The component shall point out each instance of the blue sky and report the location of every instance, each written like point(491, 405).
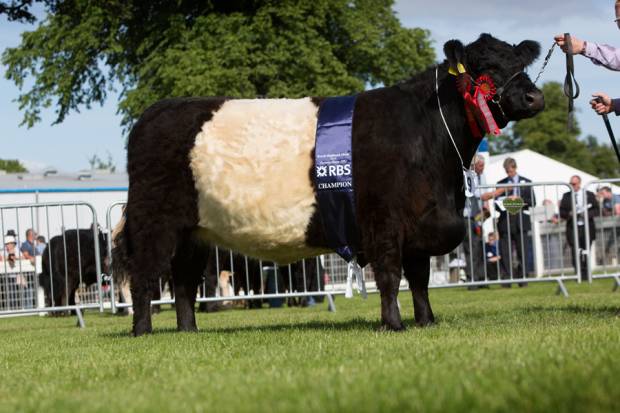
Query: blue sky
point(97, 131)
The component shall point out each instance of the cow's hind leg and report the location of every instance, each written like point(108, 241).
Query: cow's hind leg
point(149, 261)
point(188, 266)
point(387, 275)
point(417, 272)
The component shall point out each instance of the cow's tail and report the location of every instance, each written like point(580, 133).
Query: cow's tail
point(120, 262)
point(120, 253)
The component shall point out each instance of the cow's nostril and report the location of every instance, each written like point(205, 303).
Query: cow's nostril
point(535, 100)
point(529, 98)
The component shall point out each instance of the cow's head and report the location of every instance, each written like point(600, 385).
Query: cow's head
point(517, 96)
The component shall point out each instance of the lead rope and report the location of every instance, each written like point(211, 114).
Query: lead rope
point(542, 69)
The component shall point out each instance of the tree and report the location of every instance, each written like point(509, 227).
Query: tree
point(12, 165)
point(603, 160)
point(504, 143)
point(17, 10)
point(243, 48)
point(96, 162)
point(547, 133)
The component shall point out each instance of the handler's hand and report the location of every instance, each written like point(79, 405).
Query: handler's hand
point(601, 103)
point(577, 44)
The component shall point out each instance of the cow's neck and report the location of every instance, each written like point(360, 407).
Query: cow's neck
point(456, 124)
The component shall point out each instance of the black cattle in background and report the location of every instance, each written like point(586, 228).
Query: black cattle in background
point(60, 281)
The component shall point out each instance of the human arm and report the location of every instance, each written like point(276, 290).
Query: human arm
point(602, 104)
point(602, 55)
point(599, 54)
point(492, 194)
point(26, 252)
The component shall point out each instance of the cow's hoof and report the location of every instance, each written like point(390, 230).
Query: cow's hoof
point(140, 331)
point(425, 323)
point(388, 327)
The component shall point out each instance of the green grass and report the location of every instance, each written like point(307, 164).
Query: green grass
point(492, 350)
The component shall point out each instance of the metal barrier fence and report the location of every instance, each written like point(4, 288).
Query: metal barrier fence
point(230, 277)
point(601, 256)
point(536, 252)
point(59, 275)
point(530, 245)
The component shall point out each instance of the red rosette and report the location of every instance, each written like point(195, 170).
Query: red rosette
point(486, 87)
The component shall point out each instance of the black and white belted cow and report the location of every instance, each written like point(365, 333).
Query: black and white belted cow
point(237, 173)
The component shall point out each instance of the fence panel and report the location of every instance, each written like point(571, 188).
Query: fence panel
point(603, 240)
point(532, 247)
point(516, 236)
point(60, 271)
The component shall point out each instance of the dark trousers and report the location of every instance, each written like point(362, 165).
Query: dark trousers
point(474, 257)
point(509, 238)
point(492, 270)
point(583, 259)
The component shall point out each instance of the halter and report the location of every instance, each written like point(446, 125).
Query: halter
point(497, 97)
point(500, 91)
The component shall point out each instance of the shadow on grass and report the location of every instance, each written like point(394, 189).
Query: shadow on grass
point(361, 325)
point(364, 325)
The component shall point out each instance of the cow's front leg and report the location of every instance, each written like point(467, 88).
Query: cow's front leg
point(387, 275)
point(417, 271)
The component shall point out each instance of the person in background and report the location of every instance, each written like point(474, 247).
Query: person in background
point(602, 55)
point(40, 245)
point(583, 201)
point(551, 218)
point(610, 202)
point(27, 248)
point(492, 257)
point(10, 253)
point(514, 229)
point(472, 244)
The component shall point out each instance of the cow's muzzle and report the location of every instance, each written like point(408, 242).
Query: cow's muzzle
point(535, 101)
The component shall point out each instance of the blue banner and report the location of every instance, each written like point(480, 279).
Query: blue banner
point(484, 145)
point(334, 174)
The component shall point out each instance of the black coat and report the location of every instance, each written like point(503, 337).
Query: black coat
point(566, 213)
point(523, 217)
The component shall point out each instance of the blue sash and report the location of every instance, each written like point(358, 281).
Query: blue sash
point(334, 174)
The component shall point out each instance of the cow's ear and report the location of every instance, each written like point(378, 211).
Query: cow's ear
point(455, 52)
point(528, 51)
